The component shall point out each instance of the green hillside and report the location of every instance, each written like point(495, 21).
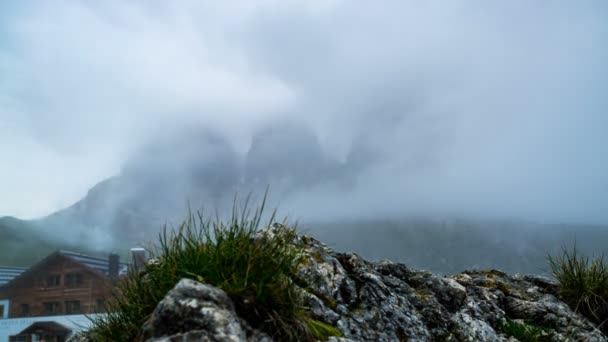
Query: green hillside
point(22, 245)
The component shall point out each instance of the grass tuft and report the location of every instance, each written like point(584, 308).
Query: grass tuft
point(583, 283)
point(255, 270)
point(322, 331)
point(524, 332)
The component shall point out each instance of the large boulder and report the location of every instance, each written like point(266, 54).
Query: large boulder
point(193, 311)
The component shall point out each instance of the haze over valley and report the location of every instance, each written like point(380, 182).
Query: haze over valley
point(442, 135)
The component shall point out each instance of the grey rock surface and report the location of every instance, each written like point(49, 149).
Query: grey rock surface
point(193, 311)
point(383, 301)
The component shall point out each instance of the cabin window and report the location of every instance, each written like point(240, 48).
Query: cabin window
point(51, 308)
point(101, 305)
point(24, 309)
point(18, 338)
point(73, 279)
point(53, 280)
point(1, 311)
point(72, 306)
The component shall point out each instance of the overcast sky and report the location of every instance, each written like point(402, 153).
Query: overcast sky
point(496, 109)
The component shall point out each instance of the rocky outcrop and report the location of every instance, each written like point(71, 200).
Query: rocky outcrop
point(198, 312)
point(385, 301)
point(390, 301)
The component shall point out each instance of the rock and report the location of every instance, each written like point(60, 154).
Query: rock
point(469, 328)
point(386, 301)
point(193, 311)
point(382, 301)
point(81, 336)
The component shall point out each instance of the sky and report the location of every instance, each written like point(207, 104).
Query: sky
point(469, 108)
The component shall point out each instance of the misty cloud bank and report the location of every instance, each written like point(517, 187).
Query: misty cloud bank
point(347, 110)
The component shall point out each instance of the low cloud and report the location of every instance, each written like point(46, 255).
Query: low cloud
point(459, 109)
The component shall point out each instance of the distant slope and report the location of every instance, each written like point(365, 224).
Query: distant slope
point(452, 246)
point(22, 245)
point(110, 213)
point(440, 246)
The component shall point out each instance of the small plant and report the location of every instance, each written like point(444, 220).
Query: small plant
point(583, 283)
point(254, 269)
point(320, 330)
point(524, 332)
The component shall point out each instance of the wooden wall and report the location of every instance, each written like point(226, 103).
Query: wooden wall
point(32, 288)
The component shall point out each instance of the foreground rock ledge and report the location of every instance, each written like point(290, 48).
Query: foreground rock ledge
point(383, 301)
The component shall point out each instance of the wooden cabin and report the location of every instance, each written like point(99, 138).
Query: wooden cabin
point(64, 283)
point(42, 332)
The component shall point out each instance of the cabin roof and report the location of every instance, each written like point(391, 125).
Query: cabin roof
point(46, 327)
point(97, 265)
point(8, 273)
point(100, 265)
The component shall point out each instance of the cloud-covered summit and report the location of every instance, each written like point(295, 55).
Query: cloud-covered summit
point(460, 108)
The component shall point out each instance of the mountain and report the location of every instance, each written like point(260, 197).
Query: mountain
point(192, 168)
point(201, 169)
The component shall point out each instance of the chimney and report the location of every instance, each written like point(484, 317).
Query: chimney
point(114, 266)
point(139, 258)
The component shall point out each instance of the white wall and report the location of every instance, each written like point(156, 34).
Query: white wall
point(13, 326)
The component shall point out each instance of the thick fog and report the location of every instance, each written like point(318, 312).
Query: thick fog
point(347, 109)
